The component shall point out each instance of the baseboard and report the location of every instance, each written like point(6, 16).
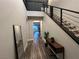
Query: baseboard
point(44, 39)
point(25, 47)
point(27, 44)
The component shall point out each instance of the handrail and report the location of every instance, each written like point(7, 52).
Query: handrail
point(65, 9)
point(70, 33)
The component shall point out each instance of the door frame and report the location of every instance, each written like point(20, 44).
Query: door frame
point(39, 21)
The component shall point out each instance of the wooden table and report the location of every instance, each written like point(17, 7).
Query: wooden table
point(56, 47)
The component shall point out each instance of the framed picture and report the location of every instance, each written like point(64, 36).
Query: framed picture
point(18, 41)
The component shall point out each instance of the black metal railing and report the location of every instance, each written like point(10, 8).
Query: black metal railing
point(61, 11)
point(72, 31)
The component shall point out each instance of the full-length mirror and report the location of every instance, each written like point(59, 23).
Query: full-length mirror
point(18, 41)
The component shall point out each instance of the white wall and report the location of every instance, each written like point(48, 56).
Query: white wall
point(29, 30)
point(71, 47)
point(11, 12)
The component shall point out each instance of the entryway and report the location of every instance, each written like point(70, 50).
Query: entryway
point(36, 31)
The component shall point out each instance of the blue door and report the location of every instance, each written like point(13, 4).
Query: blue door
point(36, 31)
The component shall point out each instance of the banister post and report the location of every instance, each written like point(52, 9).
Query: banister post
point(61, 15)
point(51, 12)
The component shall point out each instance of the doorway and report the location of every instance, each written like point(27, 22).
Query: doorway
point(36, 31)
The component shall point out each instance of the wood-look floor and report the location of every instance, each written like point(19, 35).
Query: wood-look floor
point(38, 51)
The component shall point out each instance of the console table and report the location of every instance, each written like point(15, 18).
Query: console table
point(55, 47)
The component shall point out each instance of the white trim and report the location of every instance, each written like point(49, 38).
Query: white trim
point(25, 47)
point(26, 44)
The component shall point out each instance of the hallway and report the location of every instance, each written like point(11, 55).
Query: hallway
point(38, 51)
